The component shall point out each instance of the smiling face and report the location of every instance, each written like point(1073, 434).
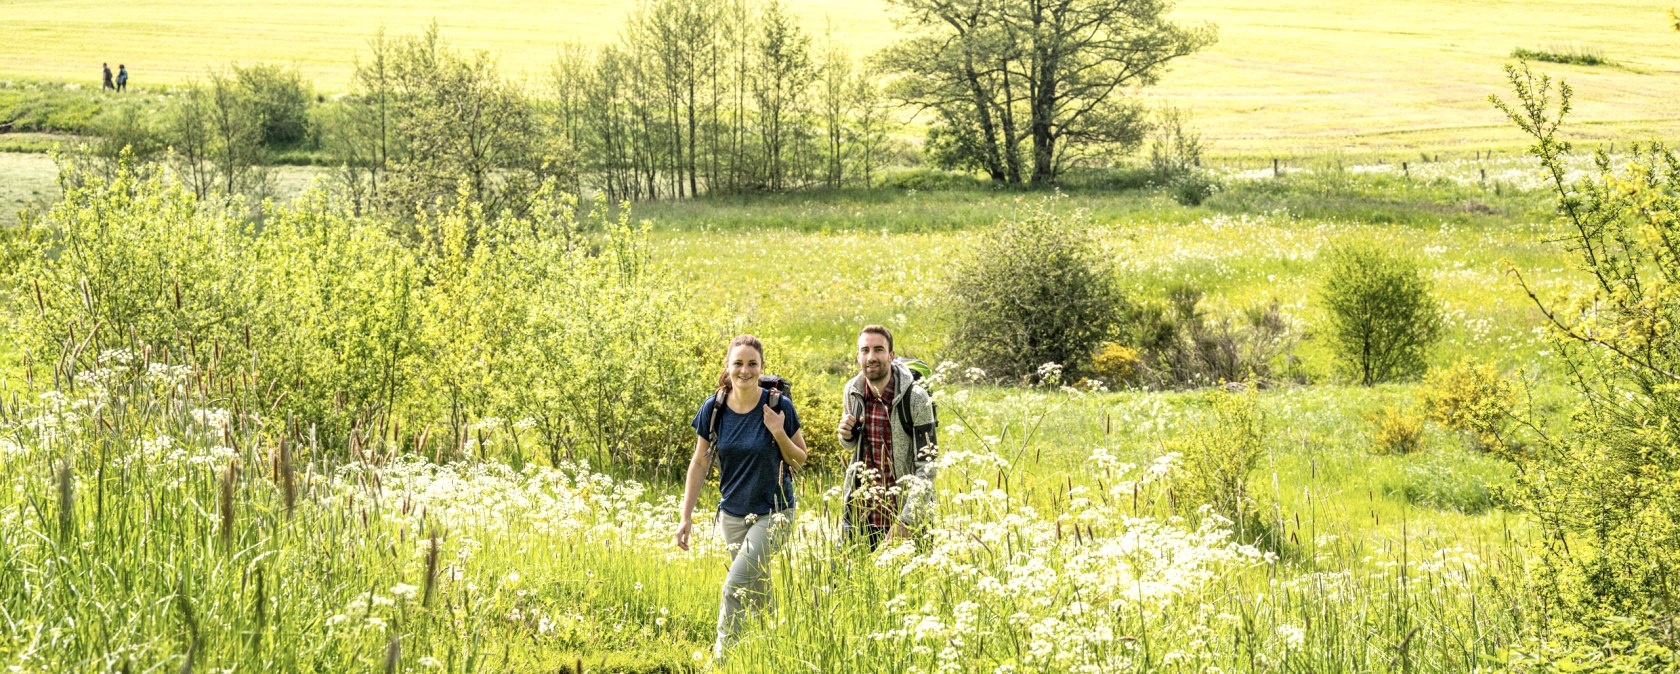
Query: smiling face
point(874, 357)
point(743, 367)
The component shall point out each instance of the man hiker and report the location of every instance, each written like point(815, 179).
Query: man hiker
point(107, 68)
point(888, 424)
point(122, 77)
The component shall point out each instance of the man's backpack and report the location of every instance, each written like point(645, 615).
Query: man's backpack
point(918, 371)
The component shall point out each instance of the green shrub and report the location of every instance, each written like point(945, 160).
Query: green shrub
point(1217, 456)
point(1568, 55)
point(929, 179)
point(1033, 290)
point(1180, 345)
point(1175, 158)
point(339, 327)
point(280, 100)
point(953, 149)
point(1610, 644)
point(331, 307)
point(1174, 148)
point(817, 398)
point(1604, 492)
point(1192, 187)
point(1471, 398)
point(1383, 320)
point(1397, 431)
point(136, 260)
point(562, 319)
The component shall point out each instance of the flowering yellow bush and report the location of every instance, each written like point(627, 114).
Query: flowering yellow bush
point(1472, 398)
point(1115, 363)
point(1397, 431)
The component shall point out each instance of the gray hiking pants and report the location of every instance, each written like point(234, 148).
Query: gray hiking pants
point(751, 541)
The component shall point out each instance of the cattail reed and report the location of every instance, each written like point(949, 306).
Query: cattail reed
point(189, 619)
point(66, 501)
point(227, 501)
point(431, 570)
point(288, 481)
point(261, 610)
point(420, 444)
point(393, 654)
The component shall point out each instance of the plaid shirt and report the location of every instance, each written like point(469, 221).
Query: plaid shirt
point(877, 455)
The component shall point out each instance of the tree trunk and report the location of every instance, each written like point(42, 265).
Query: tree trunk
point(988, 131)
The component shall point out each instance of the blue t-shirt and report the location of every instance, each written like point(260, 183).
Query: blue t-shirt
point(750, 468)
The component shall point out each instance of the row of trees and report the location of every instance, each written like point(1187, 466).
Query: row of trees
point(694, 98)
point(727, 97)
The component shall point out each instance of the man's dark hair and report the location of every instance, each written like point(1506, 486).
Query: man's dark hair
point(879, 330)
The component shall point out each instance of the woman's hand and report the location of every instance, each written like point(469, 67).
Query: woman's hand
point(773, 421)
point(681, 538)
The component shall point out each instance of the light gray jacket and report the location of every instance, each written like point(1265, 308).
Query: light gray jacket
point(915, 499)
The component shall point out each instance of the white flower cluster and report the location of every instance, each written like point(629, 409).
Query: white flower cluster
point(489, 498)
point(1017, 569)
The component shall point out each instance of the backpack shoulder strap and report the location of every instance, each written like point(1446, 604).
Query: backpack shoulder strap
point(712, 433)
point(712, 422)
point(906, 419)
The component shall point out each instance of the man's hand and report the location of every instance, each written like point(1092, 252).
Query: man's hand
point(848, 427)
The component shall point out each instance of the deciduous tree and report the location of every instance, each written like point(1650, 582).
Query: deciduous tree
point(1049, 78)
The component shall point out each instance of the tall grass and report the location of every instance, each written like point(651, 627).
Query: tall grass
point(145, 526)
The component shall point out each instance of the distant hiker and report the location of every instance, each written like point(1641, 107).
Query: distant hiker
point(122, 77)
point(108, 84)
point(750, 429)
point(890, 427)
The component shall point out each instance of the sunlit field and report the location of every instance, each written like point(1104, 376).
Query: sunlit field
point(1299, 79)
point(405, 404)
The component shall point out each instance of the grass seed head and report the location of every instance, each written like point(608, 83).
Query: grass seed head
point(66, 500)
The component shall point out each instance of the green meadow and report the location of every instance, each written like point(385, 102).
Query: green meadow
point(1389, 562)
point(215, 500)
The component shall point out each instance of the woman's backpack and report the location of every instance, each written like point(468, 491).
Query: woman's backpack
point(777, 386)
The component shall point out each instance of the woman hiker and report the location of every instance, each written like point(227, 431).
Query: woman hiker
point(757, 445)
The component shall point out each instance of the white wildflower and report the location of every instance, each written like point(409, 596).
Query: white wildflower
point(1293, 637)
